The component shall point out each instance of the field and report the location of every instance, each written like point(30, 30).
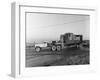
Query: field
point(70, 56)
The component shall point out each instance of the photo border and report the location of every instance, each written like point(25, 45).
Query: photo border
point(17, 66)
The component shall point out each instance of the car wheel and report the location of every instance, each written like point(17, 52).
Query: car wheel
point(37, 49)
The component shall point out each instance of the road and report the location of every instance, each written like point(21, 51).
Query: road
point(49, 58)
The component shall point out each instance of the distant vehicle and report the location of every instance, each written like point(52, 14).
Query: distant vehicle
point(67, 40)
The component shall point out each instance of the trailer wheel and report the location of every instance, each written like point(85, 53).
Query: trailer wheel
point(53, 48)
point(58, 48)
point(77, 46)
point(37, 49)
point(81, 46)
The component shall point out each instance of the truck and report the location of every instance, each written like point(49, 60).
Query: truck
point(67, 40)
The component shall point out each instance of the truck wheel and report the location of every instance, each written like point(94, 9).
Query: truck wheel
point(53, 48)
point(58, 48)
point(37, 49)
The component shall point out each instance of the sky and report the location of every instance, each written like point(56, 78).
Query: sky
point(41, 27)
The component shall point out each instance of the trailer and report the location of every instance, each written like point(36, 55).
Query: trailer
point(67, 40)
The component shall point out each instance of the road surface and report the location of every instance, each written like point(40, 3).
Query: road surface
point(71, 56)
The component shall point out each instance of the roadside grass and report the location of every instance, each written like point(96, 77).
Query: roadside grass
point(66, 57)
point(73, 60)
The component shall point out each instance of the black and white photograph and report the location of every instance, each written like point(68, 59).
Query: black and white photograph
point(56, 39)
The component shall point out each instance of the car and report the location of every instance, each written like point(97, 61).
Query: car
point(39, 46)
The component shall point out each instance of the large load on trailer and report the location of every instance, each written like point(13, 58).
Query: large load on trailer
point(70, 40)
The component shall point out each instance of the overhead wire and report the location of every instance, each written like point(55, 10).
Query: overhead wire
point(66, 23)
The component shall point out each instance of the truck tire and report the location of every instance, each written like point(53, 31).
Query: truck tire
point(54, 48)
point(37, 49)
point(58, 48)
